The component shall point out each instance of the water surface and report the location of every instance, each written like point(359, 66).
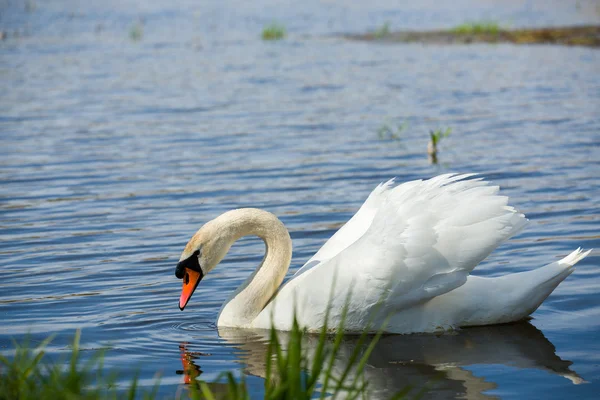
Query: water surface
point(114, 151)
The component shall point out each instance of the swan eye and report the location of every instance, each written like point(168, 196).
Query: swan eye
point(196, 253)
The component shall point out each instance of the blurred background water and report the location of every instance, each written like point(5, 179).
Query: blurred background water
point(125, 125)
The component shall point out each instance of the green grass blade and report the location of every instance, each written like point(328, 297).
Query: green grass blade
point(339, 336)
point(402, 394)
point(232, 386)
point(133, 388)
point(206, 392)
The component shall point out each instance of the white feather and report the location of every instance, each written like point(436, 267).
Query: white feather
point(407, 254)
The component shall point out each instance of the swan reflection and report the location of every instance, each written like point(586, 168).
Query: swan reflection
point(420, 360)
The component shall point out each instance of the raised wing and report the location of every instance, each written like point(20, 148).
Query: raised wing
point(431, 234)
point(353, 229)
point(424, 240)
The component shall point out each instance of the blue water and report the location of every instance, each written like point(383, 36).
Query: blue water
point(114, 151)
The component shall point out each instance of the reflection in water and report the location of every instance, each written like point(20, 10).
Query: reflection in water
point(190, 370)
point(421, 360)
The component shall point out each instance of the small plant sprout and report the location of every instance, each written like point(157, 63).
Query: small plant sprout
point(436, 137)
point(387, 131)
point(273, 31)
point(382, 31)
point(136, 31)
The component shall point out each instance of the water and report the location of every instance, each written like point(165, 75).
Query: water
point(114, 151)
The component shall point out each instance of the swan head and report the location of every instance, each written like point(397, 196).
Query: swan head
point(202, 254)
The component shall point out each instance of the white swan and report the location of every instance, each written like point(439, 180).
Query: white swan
point(405, 255)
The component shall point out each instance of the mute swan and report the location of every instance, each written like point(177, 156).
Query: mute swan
point(405, 255)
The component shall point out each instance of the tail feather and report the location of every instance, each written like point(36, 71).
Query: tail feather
point(544, 280)
point(574, 257)
point(554, 273)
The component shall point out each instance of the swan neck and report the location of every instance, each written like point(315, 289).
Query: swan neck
point(255, 293)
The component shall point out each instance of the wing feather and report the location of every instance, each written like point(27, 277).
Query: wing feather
point(351, 230)
point(406, 245)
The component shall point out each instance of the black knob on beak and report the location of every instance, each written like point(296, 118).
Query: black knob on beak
point(180, 270)
point(191, 262)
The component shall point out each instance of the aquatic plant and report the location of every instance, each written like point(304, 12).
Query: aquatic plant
point(382, 31)
point(437, 135)
point(471, 28)
point(136, 31)
point(273, 31)
point(387, 131)
point(491, 32)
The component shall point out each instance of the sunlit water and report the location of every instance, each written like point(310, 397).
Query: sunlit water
point(114, 151)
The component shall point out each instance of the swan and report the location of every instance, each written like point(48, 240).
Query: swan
point(400, 264)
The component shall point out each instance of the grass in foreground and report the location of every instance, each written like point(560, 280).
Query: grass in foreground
point(292, 372)
point(472, 28)
point(31, 375)
point(273, 31)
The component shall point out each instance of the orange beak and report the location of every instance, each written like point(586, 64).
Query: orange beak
point(190, 282)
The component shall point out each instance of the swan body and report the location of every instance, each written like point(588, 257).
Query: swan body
point(401, 263)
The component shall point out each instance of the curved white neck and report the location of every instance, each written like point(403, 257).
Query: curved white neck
point(254, 294)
